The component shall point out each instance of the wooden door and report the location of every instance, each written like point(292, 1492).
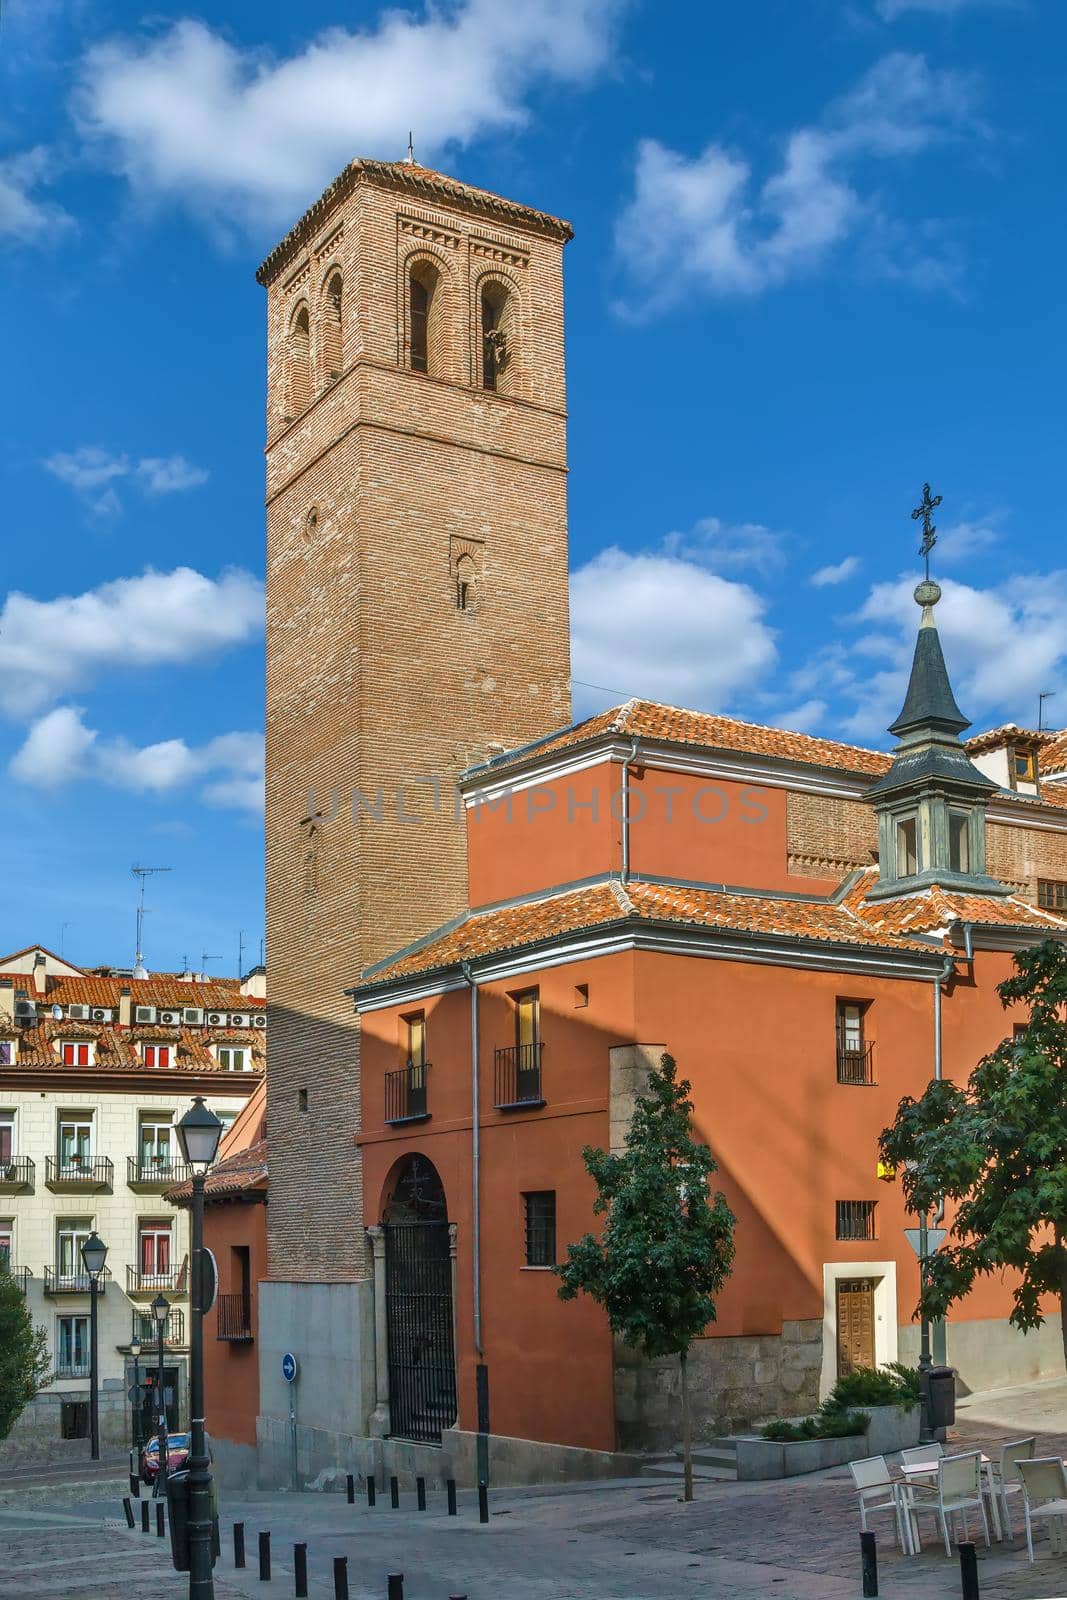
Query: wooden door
point(855, 1324)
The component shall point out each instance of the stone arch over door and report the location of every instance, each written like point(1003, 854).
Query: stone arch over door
point(414, 1280)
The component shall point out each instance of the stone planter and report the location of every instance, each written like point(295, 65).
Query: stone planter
point(891, 1428)
point(763, 1458)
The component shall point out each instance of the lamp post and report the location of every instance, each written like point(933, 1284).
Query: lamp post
point(199, 1132)
point(161, 1311)
point(135, 1352)
point(94, 1254)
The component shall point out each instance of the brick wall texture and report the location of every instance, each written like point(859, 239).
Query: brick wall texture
point(379, 481)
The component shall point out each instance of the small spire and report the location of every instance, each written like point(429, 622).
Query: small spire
point(410, 157)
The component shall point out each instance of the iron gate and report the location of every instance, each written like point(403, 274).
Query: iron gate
point(418, 1313)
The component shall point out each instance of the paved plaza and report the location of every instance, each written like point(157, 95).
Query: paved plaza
point(796, 1540)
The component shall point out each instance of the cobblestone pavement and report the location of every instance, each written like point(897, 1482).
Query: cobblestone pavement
point(796, 1540)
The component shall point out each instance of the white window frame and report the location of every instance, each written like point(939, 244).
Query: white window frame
point(155, 1066)
point(9, 1119)
point(75, 1119)
point(242, 1050)
point(156, 1227)
point(157, 1125)
point(78, 1044)
point(7, 1230)
point(73, 1317)
point(79, 1231)
point(14, 1047)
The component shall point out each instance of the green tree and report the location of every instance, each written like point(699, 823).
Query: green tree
point(24, 1362)
point(667, 1246)
point(998, 1148)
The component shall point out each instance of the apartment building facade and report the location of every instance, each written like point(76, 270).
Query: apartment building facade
point(95, 1070)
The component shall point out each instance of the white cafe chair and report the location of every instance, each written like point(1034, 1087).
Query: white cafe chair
point(1044, 1499)
point(958, 1490)
point(1005, 1476)
point(878, 1491)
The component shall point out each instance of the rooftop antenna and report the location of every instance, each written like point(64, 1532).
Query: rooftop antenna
point(1046, 694)
point(262, 945)
point(63, 940)
point(410, 157)
point(205, 958)
point(139, 969)
point(240, 952)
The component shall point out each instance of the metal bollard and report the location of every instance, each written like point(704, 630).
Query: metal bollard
point(450, 1488)
point(350, 1487)
point(394, 1493)
point(127, 1506)
point(340, 1578)
point(969, 1571)
point(483, 1502)
point(396, 1586)
point(144, 1517)
point(371, 1491)
point(420, 1493)
point(238, 1544)
point(264, 1557)
point(161, 1526)
point(869, 1559)
point(135, 1485)
point(300, 1570)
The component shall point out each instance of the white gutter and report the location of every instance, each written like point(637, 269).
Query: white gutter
point(627, 764)
point(476, 1176)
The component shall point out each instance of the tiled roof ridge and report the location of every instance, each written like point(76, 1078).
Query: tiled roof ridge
point(424, 182)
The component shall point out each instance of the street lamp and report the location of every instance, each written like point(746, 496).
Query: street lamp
point(161, 1311)
point(135, 1352)
point(94, 1254)
point(199, 1132)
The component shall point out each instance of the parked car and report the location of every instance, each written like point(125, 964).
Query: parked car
point(177, 1455)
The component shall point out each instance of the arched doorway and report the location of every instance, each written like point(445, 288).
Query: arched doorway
point(418, 1302)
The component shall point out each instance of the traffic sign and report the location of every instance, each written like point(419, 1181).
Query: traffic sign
point(935, 1238)
point(209, 1279)
point(290, 1367)
point(136, 1394)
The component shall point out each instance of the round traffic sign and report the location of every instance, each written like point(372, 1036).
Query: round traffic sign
point(136, 1394)
point(290, 1366)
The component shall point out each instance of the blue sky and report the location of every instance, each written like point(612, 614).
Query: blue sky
point(818, 259)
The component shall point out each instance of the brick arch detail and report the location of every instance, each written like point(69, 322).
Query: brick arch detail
point(516, 291)
point(447, 332)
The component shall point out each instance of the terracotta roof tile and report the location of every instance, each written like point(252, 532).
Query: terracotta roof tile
point(534, 921)
point(1053, 757)
point(244, 1172)
point(936, 908)
point(116, 1048)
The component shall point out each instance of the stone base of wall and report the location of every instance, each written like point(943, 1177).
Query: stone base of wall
point(991, 1354)
point(733, 1382)
point(324, 1459)
point(37, 1435)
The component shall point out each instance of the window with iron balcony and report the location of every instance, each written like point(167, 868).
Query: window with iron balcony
point(517, 1080)
point(406, 1088)
point(855, 1051)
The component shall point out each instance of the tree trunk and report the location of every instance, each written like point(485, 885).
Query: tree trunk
point(687, 1428)
point(1063, 1291)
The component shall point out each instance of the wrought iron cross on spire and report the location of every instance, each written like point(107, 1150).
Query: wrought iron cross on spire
point(925, 511)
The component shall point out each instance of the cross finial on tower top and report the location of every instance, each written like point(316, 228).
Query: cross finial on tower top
point(924, 510)
point(410, 157)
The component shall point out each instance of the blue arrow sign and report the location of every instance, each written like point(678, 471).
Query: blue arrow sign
point(290, 1367)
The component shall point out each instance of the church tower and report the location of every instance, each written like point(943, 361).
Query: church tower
point(416, 617)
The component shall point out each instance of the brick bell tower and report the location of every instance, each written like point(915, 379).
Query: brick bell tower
point(416, 615)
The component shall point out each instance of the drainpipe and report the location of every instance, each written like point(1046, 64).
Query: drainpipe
point(476, 1217)
point(627, 764)
point(925, 1355)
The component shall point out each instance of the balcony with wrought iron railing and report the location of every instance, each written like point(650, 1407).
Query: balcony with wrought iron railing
point(78, 1173)
point(22, 1276)
point(17, 1177)
point(517, 1082)
point(235, 1317)
point(405, 1094)
point(146, 1330)
point(73, 1369)
point(855, 1060)
point(171, 1281)
point(155, 1174)
point(56, 1282)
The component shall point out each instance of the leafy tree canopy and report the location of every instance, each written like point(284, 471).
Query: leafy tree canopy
point(998, 1148)
point(24, 1363)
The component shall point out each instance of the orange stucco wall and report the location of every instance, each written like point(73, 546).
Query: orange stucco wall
point(231, 1371)
point(758, 1045)
point(682, 826)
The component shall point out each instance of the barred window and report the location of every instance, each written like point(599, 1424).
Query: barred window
point(1052, 894)
point(540, 1228)
point(855, 1219)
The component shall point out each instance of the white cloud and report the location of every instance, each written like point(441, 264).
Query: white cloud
point(24, 217)
point(49, 647)
point(729, 546)
point(802, 718)
point(965, 539)
point(835, 573)
point(90, 469)
point(59, 749)
point(692, 638)
point(1002, 645)
point(710, 222)
point(241, 134)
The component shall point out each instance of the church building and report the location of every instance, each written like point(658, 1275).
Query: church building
point(485, 923)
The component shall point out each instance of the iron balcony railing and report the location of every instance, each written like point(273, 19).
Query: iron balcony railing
point(16, 1175)
point(22, 1276)
point(56, 1282)
point(97, 1172)
point(235, 1317)
point(146, 1331)
point(159, 1170)
point(855, 1061)
point(172, 1281)
point(73, 1369)
point(405, 1094)
point(517, 1076)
